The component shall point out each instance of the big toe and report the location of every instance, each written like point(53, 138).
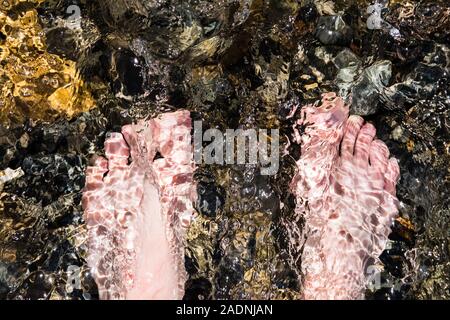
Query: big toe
point(140, 138)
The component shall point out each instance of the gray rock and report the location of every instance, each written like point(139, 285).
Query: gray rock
point(332, 30)
point(349, 66)
point(363, 88)
point(370, 87)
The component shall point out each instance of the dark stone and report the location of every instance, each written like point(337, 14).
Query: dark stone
point(198, 289)
point(308, 13)
point(130, 73)
point(332, 30)
point(210, 198)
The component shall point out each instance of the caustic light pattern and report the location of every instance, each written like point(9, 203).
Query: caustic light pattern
point(137, 212)
point(345, 189)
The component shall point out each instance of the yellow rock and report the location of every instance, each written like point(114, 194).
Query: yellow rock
point(35, 84)
point(405, 223)
point(311, 86)
point(410, 145)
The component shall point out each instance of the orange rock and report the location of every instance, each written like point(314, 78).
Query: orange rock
point(35, 84)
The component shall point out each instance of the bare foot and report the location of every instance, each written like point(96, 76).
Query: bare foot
point(345, 189)
point(137, 212)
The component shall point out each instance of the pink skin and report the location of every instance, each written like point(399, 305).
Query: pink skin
point(137, 212)
point(345, 189)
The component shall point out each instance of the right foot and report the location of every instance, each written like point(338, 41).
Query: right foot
point(345, 189)
point(137, 212)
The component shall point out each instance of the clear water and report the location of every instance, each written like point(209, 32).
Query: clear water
point(87, 68)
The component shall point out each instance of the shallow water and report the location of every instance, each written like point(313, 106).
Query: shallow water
point(87, 69)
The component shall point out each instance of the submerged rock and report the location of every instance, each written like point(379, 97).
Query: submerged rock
point(427, 81)
point(364, 87)
point(233, 64)
point(369, 88)
point(36, 84)
point(332, 30)
point(349, 67)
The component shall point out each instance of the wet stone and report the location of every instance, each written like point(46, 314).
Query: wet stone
point(332, 30)
point(210, 199)
point(308, 13)
point(130, 74)
point(241, 64)
point(369, 87)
